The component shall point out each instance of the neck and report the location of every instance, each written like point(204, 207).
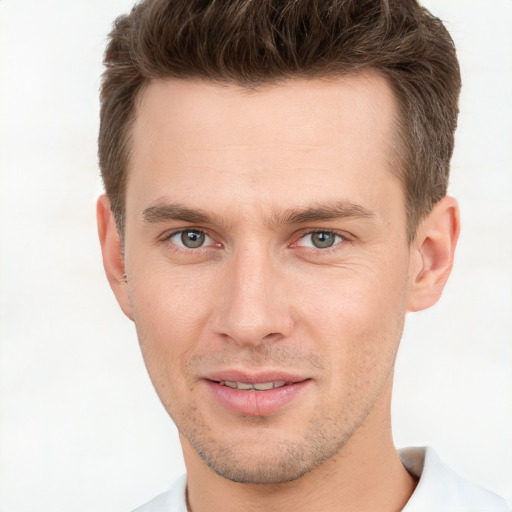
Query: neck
point(366, 474)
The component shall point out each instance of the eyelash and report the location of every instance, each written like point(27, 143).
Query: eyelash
point(343, 238)
point(178, 247)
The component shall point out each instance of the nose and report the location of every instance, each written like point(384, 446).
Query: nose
point(255, 303)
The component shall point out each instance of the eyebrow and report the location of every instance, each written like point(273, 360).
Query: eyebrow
point(174, 211)
point(327, 211)
point(165, 212)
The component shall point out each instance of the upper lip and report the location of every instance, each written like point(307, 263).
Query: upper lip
point(254, 377)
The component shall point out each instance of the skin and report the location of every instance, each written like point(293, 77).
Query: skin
point(261, 174)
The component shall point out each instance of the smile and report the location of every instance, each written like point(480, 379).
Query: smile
point(256, 395)
point(259, 386)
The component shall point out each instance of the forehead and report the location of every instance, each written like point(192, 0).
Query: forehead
point(311, 109)
point(211, 143)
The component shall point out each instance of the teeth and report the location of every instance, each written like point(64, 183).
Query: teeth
point(260, 386)
point(263, 386)
point(242, 385)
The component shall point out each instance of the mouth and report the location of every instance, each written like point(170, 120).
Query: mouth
point(256, 386)
point(255, 395)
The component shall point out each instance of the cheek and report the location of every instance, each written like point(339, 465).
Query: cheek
point(172, 302)
point(356, 315)
point(170, 312)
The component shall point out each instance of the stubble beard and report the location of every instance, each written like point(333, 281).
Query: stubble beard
point(276, 463)
point(276, 460)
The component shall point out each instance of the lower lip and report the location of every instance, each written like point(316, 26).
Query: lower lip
point(256, 403)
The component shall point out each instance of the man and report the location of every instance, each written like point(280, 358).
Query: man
point(276, 177)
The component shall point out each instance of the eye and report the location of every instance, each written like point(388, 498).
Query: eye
point(320, 239)
point(190, 238)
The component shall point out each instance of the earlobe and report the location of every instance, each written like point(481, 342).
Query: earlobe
point(433, 252)
point(111, 248)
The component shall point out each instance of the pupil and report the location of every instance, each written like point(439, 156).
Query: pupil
point(322, 239)
point(192, 239)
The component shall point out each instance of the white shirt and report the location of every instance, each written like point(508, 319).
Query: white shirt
point(439, 489)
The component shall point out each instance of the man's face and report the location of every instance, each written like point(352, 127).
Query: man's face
point(266, 249)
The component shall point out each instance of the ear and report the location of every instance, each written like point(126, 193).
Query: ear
point(432, 254)
point(113, 258)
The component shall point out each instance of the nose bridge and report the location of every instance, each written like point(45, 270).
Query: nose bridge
point(254, 305)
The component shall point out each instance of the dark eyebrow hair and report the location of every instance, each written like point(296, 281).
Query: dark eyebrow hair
point(163, 212)
point(173, 211)
point(328, 211)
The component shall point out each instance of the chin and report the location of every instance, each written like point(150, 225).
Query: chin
point(265, 470)
point(265, 463)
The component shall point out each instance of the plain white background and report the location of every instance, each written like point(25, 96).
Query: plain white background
point(81, 428)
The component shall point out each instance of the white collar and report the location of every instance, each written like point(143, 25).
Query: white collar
point(440, 489)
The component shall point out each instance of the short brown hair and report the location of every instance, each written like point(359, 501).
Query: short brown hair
point(253, 42)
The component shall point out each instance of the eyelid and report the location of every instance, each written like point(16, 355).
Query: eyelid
point(345, 237)
point(168, 235)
